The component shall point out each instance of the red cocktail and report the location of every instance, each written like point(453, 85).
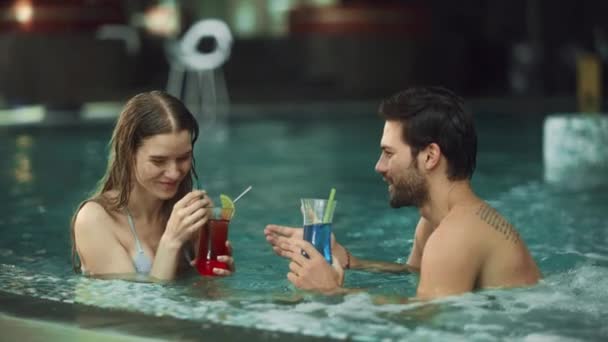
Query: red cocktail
point(213, 242)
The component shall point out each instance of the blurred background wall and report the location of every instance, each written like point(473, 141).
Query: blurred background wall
point(64, 53)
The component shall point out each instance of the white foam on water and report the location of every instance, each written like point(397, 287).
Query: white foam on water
point(6, 252)
point(575, 296)
point(540, 337)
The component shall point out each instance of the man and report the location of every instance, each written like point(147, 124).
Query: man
point(428, 155)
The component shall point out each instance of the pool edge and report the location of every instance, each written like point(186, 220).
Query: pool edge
point(131, 326)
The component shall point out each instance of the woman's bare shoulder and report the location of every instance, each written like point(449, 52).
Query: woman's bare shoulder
point(93, 214)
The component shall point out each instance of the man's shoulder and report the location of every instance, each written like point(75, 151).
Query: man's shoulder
point(454, 229)
point(460, 235)
point(460, 217)
point(454, 241)
point(466, 223)
point(480, 222)
point(489, 217)
point(478, 214)
point(424, 228)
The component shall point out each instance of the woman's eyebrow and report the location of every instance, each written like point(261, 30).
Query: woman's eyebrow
point(185, 154)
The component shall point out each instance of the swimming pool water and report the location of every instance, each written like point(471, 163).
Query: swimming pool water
point(45, 172)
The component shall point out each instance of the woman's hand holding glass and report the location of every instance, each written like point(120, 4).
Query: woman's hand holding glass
point(189, 215)
point(228, 259)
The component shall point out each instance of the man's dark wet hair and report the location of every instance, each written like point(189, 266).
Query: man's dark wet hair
point(435, 115)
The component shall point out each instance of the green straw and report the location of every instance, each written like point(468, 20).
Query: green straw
point(330, 206)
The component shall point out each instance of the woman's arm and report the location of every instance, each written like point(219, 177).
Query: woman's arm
point(188, 216)
point(98, 248)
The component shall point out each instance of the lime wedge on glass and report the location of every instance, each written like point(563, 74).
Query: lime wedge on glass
point(227, 207)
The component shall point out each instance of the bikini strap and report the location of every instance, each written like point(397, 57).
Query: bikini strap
point(132, 226)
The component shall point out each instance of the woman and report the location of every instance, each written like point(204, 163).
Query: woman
point(145, 215)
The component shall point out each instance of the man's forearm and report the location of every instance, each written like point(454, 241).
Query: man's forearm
point(349, 261)
point(381, 266)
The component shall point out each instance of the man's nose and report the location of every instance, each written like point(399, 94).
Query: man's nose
point(380, 166)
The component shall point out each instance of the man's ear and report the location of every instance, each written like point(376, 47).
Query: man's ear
point(432, 156)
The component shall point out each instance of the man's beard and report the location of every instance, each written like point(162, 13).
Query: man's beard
point(410, 190)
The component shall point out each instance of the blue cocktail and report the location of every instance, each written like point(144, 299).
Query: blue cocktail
point(318, 217)
point(319, 235)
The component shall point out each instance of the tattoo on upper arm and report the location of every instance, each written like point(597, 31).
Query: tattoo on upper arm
point(494, 219)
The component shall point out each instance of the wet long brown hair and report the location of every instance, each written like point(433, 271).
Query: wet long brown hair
point(144, 115)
